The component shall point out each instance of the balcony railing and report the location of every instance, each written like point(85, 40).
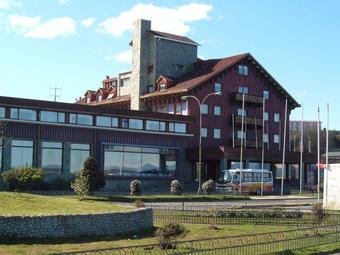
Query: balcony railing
point(248, 143)
point(248, 98)
point(250, 121)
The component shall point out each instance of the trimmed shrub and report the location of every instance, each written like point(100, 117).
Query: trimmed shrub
point(208, 186)
point(96, 177)
point(139, 203)
point(176, 187)
point(135, 188)
point(318, 212)
point(169, 233)
point(81, 184)
point(25, 178)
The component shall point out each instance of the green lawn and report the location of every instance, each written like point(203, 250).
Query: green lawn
point(14, 203)
point(195, 231)
point(178, 198)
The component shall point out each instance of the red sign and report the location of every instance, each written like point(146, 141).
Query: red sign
point(322, 166)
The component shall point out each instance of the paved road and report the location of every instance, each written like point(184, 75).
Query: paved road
point(297, 204)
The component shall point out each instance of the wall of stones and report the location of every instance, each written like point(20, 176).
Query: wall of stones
point(57, 226)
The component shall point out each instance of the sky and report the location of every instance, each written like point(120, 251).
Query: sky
point(74, 44)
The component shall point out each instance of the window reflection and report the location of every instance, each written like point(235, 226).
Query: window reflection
point(79, 153)
point(21, 153)
point(139, 161)
point(52, 157)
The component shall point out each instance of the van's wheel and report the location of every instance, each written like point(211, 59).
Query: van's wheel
point(258, 192)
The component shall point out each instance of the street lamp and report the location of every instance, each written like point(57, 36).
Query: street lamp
point(200, 134)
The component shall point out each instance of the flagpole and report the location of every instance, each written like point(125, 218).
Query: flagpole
point(262, 156)
point(301, 152)
point(318, 154)
point(241, 156)
point(325, 193)
point(283, 169)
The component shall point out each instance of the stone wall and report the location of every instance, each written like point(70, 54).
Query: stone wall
point(57, 226)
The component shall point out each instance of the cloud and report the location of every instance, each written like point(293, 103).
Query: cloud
point(23, 23)
point(32, 27)
point(173, 20)
point(8, 4)
point(88, 22)
point(123, 57)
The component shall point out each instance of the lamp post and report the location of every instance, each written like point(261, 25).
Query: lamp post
point(200, 134)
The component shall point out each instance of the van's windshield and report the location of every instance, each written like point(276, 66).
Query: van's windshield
point(224, 177)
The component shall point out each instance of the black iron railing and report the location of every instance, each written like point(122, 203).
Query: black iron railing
point(249, 216)
point(264, 243)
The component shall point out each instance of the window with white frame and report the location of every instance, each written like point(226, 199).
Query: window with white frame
point(265, 138)
point(266, 94)
point(99, 98)
point(241, 112)
point(243, 90)
point(88, 100)
point(217, 133)
point(241, 135)
point(218, 87)
point(217, 110)
point(204, 132)
point(276, 117)
point(204, 109)
point(243, 70)
point(276, 138)
point(265, 116)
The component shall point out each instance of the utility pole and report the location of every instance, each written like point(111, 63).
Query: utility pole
point(55, 93)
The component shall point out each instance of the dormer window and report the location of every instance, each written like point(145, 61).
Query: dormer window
point(162, 86)
point(99, 98)
point(110, 96)
point(88, 100)
point(243, 70)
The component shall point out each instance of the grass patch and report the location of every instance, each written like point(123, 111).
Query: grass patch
point(15, 203)
point(46, 246)
point(178, 198)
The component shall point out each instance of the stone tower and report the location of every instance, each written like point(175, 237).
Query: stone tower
point(157, 53)
point(140, 61)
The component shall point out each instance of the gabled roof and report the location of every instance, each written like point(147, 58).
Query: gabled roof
point(208, 69)
point(174, 37)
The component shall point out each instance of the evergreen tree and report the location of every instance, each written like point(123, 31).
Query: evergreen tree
point(96, 177)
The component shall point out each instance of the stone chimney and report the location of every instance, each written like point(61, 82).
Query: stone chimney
point(140, 60)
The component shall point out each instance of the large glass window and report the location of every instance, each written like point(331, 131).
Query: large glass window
point(2, 112)
point(105, 121)
point(52, 157)
point(79, 153)
point(56, 117)
point(138, 161)
point(81, 119)
point(23, 114)
point(21, 153)
point(178, 127)
point(155, 125)
point(135, 124)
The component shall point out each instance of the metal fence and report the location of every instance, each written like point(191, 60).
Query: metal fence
point(265, 243)
point(237, 217)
